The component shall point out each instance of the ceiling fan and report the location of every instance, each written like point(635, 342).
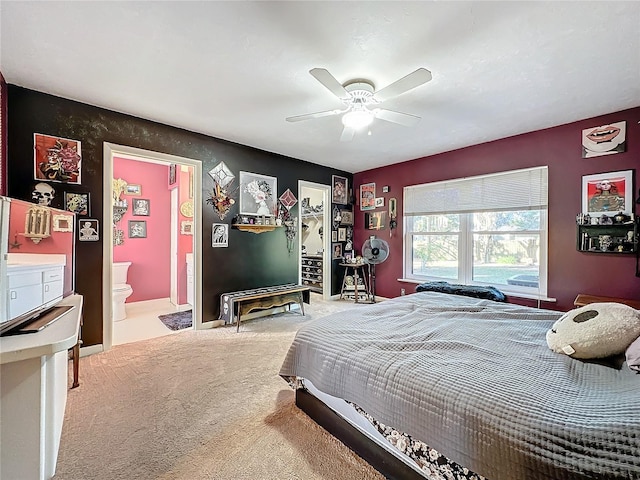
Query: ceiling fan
point(361, 99)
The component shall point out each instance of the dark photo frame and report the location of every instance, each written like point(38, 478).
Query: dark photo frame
point(78, 203)
point(339, 190)
point(137, 229)
point(173, 174)
point(140, 207)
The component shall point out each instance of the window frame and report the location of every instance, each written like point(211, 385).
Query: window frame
point(465, 254)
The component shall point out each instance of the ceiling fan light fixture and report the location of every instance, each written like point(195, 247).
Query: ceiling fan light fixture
point(357, 119)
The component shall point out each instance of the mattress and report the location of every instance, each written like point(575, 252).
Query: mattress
point(475, 380)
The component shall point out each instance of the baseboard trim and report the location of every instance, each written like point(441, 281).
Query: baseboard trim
point(91, 349)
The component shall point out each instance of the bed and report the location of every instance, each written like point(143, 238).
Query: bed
point(466, 388)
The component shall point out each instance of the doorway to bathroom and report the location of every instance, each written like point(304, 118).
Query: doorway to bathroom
point(315, 237)
point(153, 209)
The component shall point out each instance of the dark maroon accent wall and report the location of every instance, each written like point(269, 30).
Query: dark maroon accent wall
point(570, 272)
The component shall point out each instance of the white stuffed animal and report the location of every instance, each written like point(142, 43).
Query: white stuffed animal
point(596, 330)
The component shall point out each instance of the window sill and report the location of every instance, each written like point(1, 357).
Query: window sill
point(531, 296)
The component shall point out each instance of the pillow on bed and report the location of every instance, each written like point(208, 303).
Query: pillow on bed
point(596, 330)
point(486, 293)
point(633, 355)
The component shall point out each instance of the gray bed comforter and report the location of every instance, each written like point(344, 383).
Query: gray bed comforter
point(475, 380)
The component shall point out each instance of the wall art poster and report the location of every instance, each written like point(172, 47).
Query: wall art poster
point(220, 235)
point(77, 203)
point(88, 231)
point(340, 189)
point(604, 140)
point(607, 193)
point(56, 159)
point(368, 196)
point(258, 194)
point(375, 220)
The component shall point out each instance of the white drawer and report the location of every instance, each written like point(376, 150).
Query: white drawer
point(24, 279)
point(52, 275)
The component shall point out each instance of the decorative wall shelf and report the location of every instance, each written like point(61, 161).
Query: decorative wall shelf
point(247, 227)
point(621, 238)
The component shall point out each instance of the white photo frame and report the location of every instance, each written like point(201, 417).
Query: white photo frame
point(607, 193)
point(219, 235)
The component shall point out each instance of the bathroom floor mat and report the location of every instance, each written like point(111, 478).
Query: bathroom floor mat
point(177, 320)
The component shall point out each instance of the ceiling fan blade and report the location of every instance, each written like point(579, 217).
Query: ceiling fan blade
point(330, 82)
point(307, 116)
point(413, 80)
point(347, 134)
point(396, 117)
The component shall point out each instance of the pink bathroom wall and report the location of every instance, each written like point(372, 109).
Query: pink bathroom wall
point(150, 271)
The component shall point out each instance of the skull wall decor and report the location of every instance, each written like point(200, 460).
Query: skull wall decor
point(43, 194)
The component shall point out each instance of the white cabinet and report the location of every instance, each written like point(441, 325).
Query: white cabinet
point(33, 285)
point(52, 284)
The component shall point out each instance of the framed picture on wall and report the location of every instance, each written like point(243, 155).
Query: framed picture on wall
point(137, 229)
point(220, 235)
point(141, 207)
point(336, 251)
point(258, 194)
point(56, 159)
point(342, 234)
point(375, 220)
point(133, 189)
point(604, 140)
point(346, 217)
point(77, 203)
point(607, 193)
point(368, 196)
point(88, 230)
point(339, 189)
point(186, 227)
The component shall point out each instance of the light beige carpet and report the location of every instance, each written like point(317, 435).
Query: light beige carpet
point(200, 405)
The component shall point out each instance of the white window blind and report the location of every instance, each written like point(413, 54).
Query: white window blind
point(513, 190)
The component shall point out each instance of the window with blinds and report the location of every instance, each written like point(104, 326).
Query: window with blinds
point(484, 230)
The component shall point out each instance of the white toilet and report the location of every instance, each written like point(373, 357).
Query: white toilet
point(120, 290)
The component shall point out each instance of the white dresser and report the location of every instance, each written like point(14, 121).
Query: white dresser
point(32, 285)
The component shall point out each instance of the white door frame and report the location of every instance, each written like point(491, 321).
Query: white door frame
point(109, 151)
point(326, 237)
point(173, 295)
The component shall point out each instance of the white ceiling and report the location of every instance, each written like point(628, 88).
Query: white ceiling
point(235, 70)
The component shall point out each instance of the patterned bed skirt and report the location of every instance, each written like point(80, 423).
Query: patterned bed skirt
point(434, 465)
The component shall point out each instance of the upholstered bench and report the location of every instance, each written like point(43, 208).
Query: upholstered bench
point(237, 304)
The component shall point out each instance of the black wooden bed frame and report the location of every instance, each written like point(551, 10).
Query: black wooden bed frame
point(386, 463)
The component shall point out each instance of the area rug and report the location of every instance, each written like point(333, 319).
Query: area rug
point(177, 320)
